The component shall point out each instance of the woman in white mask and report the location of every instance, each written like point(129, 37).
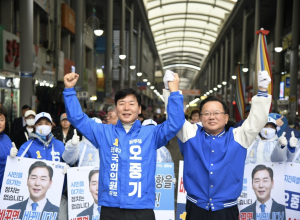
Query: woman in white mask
point(23, 134)
point(41, 143)
point(267, 147)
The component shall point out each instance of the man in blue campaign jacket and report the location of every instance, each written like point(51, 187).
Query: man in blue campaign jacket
point(5, 146)
point(214, 160)
point(42, 144)
point(127, 150)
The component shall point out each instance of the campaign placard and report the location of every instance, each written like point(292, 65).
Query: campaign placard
point(164, 191)
point(262, 195)
point(83, 193)
point(31, 189)
point(292, 191)
point(181, 195)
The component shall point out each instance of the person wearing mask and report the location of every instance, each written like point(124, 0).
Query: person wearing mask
point(162, 154)
point(20, 122)
point(218, 155)
point(23, 134)
point(6, 147)
point(66, 131)
point(42, 144)
point(267, 147)
point(127, 150)
point(83, 152)
point(111, 117)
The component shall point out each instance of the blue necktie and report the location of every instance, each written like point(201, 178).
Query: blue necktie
point(34, 205)
point(263, 206)
point(99, 209)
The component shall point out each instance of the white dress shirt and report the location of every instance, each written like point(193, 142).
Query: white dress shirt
point(39, 208)
point(268, 207)
point(95, 209)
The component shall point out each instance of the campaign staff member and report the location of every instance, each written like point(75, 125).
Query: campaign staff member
point(5, 146)
point(218, 156)
point(262, 185)
point(42, 144)
point(127, 150)
point(94, 209)
point(39, 181)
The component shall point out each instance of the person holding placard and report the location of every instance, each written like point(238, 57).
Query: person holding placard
point(83, 152)
point(6, 147)
point(127, 150)
point(218, 156)
point(267, 147)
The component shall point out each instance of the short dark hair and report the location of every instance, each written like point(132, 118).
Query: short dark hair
point(42, 165)
point(3, 112)
point(125, 92)
point(144, 107)
point(195, 111)
point(25, 107)
point(262, 167)
point(213, 99)
point(91, 173)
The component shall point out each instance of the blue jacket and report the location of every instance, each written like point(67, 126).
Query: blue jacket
point(42, 150)
point(5, 146)
point(127, 160)
point(214, 165)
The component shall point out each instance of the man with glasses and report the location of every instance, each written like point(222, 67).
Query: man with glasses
point(111, 117)
point(214, 159)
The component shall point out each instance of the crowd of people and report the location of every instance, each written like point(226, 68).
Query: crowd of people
point(205, 142)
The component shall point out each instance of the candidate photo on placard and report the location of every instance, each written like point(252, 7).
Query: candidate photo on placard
point(39, 181)
point(32, 189)
point(93, 188)
point(264, 206)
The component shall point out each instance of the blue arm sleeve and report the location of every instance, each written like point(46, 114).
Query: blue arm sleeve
point(22, 149)
point(167, 130)
point(86, 126)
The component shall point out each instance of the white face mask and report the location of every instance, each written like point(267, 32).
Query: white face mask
point(43, 130)
point(268, 133)
point(30, 122)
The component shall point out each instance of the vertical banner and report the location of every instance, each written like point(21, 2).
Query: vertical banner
point(292, 191)
point(31, 189)
point(181, 195)
point(83, 193)
point(262, 197)
point(164, 191)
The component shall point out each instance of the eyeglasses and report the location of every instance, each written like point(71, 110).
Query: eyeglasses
point(215, 114)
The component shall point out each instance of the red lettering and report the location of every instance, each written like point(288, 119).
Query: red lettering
point(16, 214)
point(181, 188)
point(246, 216)
point(9, 213)
point(2, 213)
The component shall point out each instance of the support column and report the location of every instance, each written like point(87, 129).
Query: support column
point(221, 69)
point(278, 56)
point(26, 51)
point(109, 48)
point(209, 77)
point(213, 75)
point(256, 28)
point(138, 49)
point(79, 46)
point(226, 80)
point(294, 65)
point(216, 73)
point(131, 45)
point(243, 74)
point(122, 51)
point(231, 71)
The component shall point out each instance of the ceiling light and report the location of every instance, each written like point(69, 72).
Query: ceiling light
point(151, 87)
point(2, 77)
point(278, 49)
point(215, 89)
point(155, 90)
point(224, 83)
point(148, 83)
point(219, 86)
point(233, 77)
point(98, 32)
point(132, 67)
point(139, 74)
point(145, 80)
point(122, 57)
point(245, 69)
point(210, 91)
